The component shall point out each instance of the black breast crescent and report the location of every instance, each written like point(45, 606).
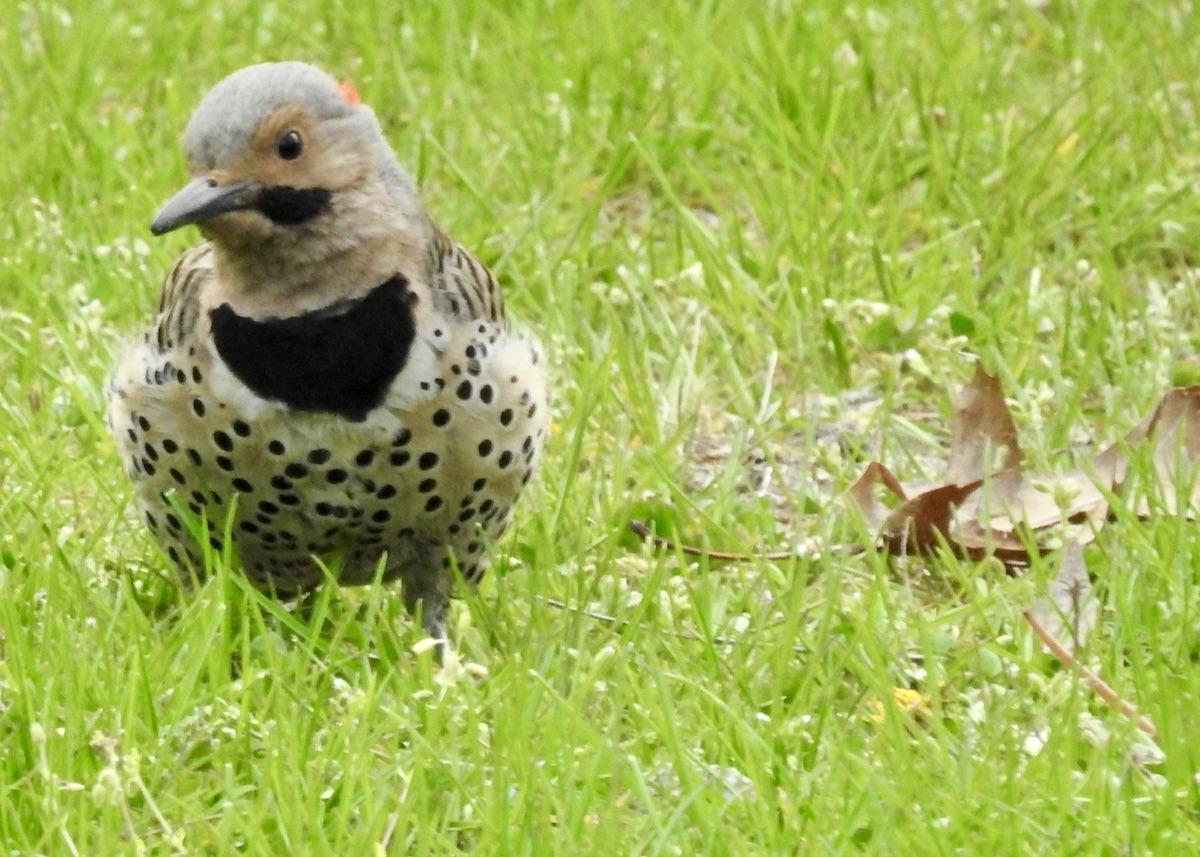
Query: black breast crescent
point(339, 360)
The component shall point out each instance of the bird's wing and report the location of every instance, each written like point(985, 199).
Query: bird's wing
point(179, 306)
point(463, 287)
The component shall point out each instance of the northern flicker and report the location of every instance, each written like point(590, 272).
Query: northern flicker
point(328, 358)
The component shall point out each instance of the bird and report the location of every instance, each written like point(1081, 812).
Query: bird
point(330, 381)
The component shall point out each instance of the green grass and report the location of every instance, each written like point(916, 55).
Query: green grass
point(758, 240)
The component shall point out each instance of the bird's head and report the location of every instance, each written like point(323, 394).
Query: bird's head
point(286, 161)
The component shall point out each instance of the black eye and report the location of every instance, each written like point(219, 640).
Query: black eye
point(289, 145)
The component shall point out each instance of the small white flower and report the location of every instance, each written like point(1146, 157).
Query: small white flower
point(845, 57)
point(1035, 741)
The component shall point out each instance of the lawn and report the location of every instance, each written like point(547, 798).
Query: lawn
point(764, 243)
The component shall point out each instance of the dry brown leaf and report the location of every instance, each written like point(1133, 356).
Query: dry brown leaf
point(982, 425)
point(1083, 495)
point(922, 523)
point(863, 496)
point(1070, 609)
point(1176, 430)
point(927, 515)
point(976, 540)
point(979, 511)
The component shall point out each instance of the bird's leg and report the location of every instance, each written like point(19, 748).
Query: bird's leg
point(426, 584)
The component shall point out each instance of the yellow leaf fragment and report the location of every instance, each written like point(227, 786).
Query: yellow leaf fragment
point(1067, 146)
point(911, 702)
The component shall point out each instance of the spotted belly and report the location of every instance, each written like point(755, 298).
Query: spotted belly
point(408, 488)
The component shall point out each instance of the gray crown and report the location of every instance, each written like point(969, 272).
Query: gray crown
point(231, 111)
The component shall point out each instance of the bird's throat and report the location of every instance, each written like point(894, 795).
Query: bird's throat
point(340, 360)
point(288, 206)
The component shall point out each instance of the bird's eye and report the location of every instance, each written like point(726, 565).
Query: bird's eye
point(289, 145)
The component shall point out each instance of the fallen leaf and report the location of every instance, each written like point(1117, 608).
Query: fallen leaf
point(863, 497)
point(904, 699)
point(922, 523)
point(1072, 606)
point(982, 424)
point(1083, 495)
point(1069, 610)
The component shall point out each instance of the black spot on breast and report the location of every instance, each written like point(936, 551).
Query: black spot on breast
point(339, 360)
point(288, 206)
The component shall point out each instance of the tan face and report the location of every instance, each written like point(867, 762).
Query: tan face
point(290, 154)
point(329, 157)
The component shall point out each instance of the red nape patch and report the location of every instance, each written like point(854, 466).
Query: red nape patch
point(346, 88)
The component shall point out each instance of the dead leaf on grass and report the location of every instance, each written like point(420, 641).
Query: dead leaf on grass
point(1000, 510)
point(1069, 610)
point(1072, 607)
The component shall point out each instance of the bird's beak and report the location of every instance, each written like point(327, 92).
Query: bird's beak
point(201, 199)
